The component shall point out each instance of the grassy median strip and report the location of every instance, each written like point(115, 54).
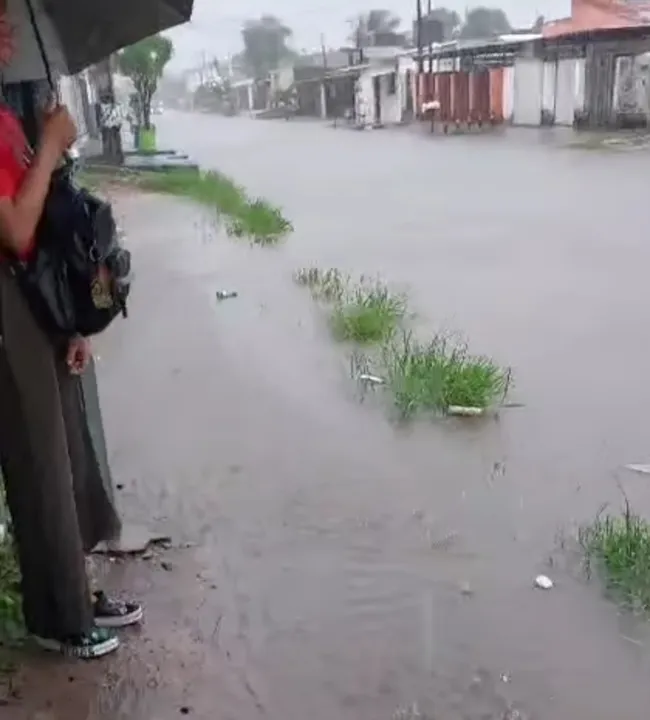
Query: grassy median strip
point(618, 548)
point(243, 216)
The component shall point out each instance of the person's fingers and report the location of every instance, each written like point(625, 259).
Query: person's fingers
point(71, 354)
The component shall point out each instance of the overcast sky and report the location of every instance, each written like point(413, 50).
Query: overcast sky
point(215, 27)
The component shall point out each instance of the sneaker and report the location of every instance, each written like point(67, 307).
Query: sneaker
point(111, 613)
point(95, 644)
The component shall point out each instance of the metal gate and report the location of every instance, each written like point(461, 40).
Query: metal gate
point(444, 96)
point(480, 96)
point(599, 86)
point(496, 94)
point(461, 111)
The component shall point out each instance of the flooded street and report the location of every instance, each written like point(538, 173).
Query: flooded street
point(345, 568)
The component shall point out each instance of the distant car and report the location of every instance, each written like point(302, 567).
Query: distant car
point(158, 109)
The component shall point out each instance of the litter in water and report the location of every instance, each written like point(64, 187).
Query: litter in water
point(466, 589)
point(460, 411)
point(372, 379)
point(543, 583)
point(644, 469)
point(226, 294)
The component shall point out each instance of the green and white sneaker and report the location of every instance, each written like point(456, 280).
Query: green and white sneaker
point(95, 644)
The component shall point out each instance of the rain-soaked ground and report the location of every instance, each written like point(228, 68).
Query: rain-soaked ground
point(344, 568)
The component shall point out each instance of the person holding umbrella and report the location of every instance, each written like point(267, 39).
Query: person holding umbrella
point(59, 510)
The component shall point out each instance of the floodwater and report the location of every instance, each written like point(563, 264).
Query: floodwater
point(346, 568)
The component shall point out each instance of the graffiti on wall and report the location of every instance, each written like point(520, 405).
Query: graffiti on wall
point(632, 85)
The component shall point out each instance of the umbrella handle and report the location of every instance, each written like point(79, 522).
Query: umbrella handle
point(41, 46)
point(68, 158)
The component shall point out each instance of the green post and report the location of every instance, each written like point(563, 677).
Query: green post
point(147, 139)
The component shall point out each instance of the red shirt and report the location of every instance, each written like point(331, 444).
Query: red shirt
point(15, 154)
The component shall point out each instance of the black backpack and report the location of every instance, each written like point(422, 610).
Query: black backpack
point(77, 278)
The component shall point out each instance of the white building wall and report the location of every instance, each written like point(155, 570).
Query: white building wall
point(365, 105)
point(391, 103)
point(407, 71)
point(565, 98)
point(579, 98)
point(391, 111)
point(529, 80)
point(508, 93)
point(548, 87)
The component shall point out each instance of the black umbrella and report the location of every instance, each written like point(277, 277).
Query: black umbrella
point(87, 31)
point(90, 30)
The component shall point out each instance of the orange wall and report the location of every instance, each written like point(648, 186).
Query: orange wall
point(598, 15)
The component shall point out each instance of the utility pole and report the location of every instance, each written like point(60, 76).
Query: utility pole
point(420, 73)
point(418, 33)
point(324, 85)
point(430, 38)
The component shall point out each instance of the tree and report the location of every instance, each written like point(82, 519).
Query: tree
point(143, 63)
point(265, 45)
point(485, 22)
point(370, 23)
point(450, 20)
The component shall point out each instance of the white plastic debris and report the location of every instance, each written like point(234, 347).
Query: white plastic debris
point(644, 469)
point(543, 583)
point(372, 379)
point(460, 411)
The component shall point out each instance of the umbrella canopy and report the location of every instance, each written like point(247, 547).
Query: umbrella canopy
point(78, 33)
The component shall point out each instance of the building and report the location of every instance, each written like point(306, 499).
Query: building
point(370, 90)
point(474, 82)
point(608, 44)
point(589, 70)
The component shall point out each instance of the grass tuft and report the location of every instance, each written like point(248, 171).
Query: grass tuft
point(368, 313)
point(327, 285)
point(256, 219)
point(618, 547)
point(11, 618)
point(436, 375)
point(365, 311)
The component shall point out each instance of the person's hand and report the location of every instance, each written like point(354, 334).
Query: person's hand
point(59, 130)
point(78, 355)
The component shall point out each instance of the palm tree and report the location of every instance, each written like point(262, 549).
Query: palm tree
point(374, 21)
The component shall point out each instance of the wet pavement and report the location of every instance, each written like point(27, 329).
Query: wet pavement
point(337, 566)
